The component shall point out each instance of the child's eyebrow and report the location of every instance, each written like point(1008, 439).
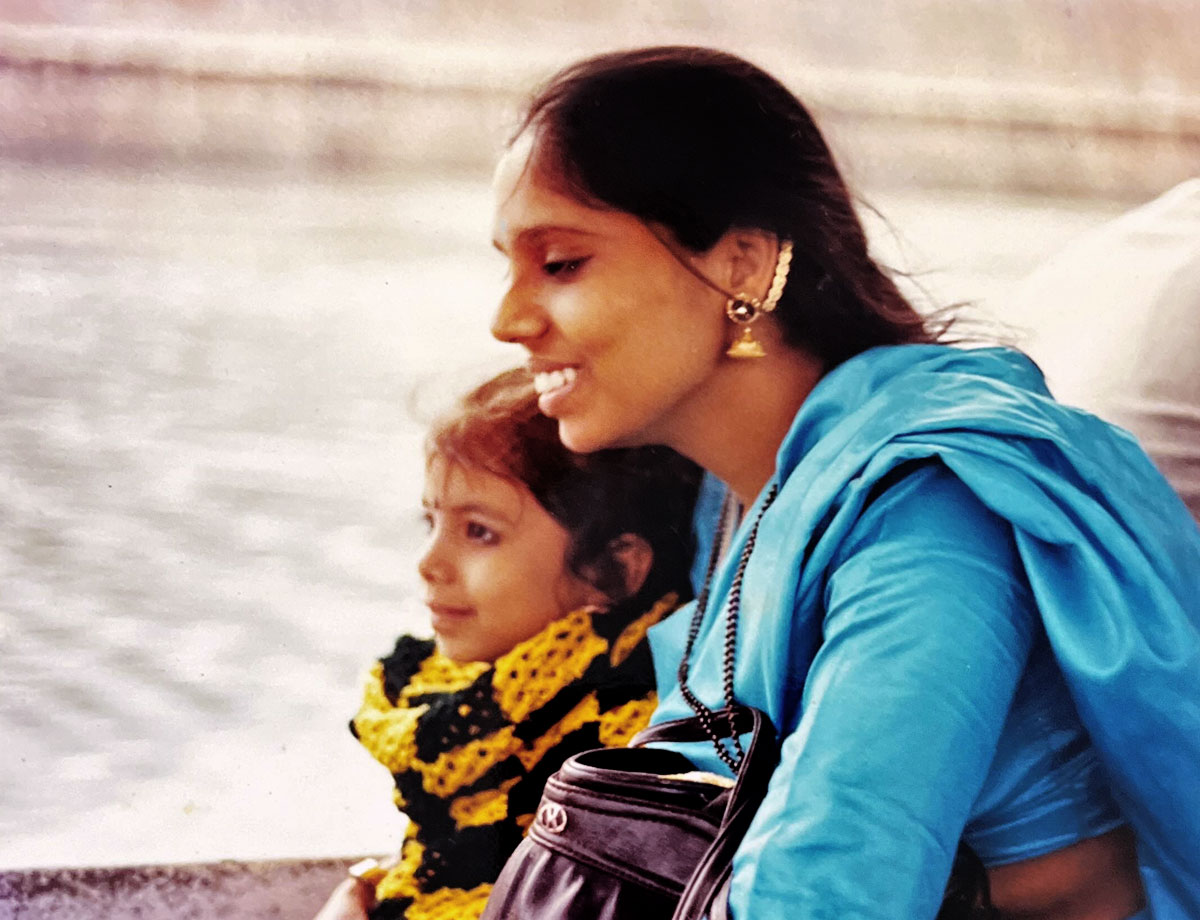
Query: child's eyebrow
point(468, 508)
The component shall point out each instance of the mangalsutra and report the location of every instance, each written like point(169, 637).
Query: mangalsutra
point(707, 716)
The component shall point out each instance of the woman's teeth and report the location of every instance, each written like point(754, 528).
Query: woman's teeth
point(549, 381)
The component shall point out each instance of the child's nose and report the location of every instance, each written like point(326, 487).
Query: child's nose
point(433, 566)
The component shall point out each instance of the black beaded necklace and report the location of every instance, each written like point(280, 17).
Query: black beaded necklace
point(707, 716)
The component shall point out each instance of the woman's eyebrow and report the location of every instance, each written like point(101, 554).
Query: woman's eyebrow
point(534, 234)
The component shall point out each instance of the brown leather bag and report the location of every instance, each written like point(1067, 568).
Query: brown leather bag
point(620, 834)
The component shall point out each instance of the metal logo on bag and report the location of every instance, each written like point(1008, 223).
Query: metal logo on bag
point(552, 817)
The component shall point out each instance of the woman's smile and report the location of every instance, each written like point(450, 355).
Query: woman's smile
point(553, 386)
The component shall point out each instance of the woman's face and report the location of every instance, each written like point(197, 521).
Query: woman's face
point(623, 340)
point(495, 566)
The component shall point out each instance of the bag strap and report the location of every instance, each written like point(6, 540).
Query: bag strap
point(719, 909)
point(716, 866)
point(691, 729)
point(710, 880)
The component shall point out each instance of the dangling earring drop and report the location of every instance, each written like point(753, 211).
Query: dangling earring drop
point(744, 309)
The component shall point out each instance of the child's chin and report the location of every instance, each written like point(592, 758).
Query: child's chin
point(458, 652)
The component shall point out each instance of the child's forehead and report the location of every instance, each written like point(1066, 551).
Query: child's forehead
point(453, 486)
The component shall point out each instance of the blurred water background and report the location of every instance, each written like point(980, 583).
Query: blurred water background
point(244, 248)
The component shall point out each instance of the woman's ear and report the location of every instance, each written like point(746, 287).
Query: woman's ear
point(746, 261)
point(631, 556)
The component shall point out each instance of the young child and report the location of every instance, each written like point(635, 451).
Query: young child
point(543, 571)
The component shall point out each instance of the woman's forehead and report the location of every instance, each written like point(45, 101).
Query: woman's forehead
point(535, 209)
point(530, 199)
point(512, 166)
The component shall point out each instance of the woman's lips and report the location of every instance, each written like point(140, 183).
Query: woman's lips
point(553, 385)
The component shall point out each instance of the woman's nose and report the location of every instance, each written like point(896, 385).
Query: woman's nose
point(518, 319)
point(433, 566)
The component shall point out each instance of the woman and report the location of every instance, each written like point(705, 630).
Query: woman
point(968, 611)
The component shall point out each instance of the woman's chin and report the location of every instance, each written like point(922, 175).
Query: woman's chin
point(577, 437)
point(583, 439)
point(589, 442)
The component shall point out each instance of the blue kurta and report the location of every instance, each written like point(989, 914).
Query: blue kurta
point(958, 577)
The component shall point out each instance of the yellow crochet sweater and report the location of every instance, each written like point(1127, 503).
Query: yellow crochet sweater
point(470, 746)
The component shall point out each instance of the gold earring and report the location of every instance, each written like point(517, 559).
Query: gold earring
point(744, 309)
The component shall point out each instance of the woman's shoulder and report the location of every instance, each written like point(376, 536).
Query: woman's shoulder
point(923, 502)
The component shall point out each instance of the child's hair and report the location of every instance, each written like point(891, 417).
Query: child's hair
point(647, 491)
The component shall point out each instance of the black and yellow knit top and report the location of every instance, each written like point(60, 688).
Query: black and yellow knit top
point(470, 746)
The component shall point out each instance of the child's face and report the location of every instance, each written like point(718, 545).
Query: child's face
point(494, 568)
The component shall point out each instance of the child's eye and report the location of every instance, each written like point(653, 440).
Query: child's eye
point(563, 269)
point(481, 533)
point(427, 521)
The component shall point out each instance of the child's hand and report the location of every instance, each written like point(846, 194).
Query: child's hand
point(349, 901)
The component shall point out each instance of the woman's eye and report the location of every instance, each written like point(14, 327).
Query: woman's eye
point(481, 533)
point(427, 521)
point(563, 269)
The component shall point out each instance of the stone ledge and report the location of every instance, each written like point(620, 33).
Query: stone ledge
point(286, 890)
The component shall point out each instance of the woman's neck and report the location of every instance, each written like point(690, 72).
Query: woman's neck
point(735, 431)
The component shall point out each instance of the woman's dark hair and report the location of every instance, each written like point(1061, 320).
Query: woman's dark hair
point(701, 142)
point(647, 491)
